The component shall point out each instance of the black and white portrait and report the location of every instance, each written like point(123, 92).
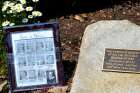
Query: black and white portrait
point(32, 75)
point(41, 74)
point(23, 75)
point(51, 77)
point(49, 44)
point(50, 59)
point(40, 59)
point(30, 47)
point(22, 61)
point(31, 60)
point(20, 47)
point(40, 45)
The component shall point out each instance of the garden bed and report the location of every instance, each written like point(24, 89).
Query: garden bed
point(72, 28)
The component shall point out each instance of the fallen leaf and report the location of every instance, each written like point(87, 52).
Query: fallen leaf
point(58, 89)
point(79, 18)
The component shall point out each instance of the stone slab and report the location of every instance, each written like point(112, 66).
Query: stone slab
point(89, 77)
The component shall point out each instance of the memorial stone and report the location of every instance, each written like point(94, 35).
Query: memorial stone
point(109, 48)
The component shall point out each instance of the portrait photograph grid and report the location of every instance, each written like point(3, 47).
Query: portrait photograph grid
point(35, 52)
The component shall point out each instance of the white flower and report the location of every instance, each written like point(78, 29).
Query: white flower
point(12, 24)
point(5, 23)
point(29, 8)
point(10, 11)
point(36, 13)
point(30, 16)
point(4, 15)
point(24, 20)
point(4, 8)
point(35, 0)
point(19, 7)
point(13, 8)
point(11, 4)
point(7, 4)
point(22, 1)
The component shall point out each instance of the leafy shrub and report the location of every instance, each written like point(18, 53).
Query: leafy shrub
point(15, 12)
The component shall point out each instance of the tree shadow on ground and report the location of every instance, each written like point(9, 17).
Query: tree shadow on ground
point(57, 8)
point(69, 69)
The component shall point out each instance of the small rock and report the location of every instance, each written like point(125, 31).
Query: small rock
point(138, 14)
point(124, 13)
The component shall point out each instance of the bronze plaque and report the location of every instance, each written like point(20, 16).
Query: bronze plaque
point(122, 60)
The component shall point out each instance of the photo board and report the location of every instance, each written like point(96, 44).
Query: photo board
point(34, 56)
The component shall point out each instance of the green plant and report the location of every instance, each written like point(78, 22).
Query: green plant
point(3, 57)
point(15, 12)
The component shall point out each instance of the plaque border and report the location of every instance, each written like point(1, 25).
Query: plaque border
point(118, 71)
point(10, 64)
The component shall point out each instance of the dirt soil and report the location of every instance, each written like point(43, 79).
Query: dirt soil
point(72, 28)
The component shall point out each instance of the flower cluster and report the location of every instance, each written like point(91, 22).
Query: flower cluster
point(16, 12)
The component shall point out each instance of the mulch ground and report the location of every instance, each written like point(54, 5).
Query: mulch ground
point(72, 28)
